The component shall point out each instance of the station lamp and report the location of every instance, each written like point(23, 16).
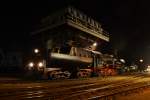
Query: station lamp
point(95, 44)
point(141, 60)
point(36, 51)
point(122, 60)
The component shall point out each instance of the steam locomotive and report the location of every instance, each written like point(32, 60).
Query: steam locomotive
point(73, 62)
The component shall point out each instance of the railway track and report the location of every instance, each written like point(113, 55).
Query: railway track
point(66, 92)
point(135, 88)
point(101, 91)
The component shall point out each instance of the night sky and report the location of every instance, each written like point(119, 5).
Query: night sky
point(127, 21)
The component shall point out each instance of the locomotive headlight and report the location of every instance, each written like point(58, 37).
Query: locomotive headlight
point(40, 64)
point(31, 64)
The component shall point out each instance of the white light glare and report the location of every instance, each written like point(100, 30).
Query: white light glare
point(122, 60)
point(95, 44)
point(36, 50)
point(40, 64)
point(141, 60)
point(31, 64)
point(148, 68)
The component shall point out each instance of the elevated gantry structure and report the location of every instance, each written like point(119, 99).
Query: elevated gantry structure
point(76, 19)
point(69, 26)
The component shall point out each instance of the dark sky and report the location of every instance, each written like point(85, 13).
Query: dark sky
point(127, 21)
